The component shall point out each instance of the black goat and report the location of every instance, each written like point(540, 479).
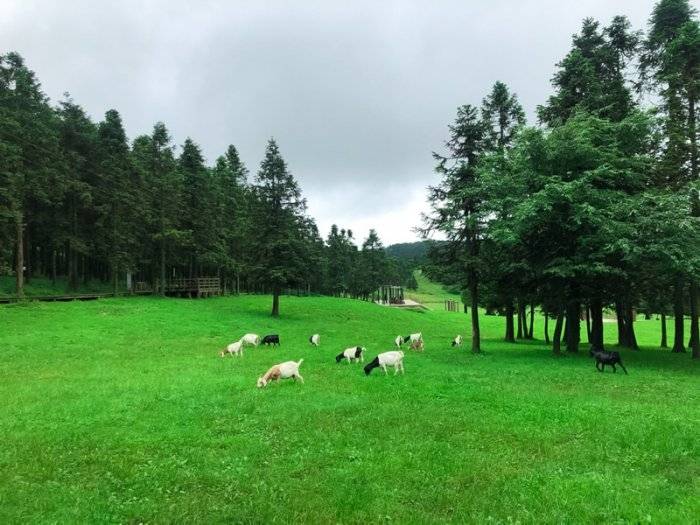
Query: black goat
point(607, 358)
point(272, 339)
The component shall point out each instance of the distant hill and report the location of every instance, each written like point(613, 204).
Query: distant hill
point(418, 251)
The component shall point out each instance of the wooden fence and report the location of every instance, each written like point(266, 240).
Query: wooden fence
point(451, 306)
point(198, 286)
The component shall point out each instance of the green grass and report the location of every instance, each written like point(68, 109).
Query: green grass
point(120, 410)
point(432, 295)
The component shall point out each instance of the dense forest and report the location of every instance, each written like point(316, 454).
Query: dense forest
point(594, 209)
point(78, 200)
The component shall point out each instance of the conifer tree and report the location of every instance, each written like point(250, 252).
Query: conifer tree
point(278, 244)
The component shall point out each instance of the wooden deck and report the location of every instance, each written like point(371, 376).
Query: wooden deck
point(197, 287)
point(408, 304)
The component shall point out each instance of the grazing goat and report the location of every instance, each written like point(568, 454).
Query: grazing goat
point(315, 339)
point(398, 341)
point(413, 337)
point(417, 345)
point(457, 341)
point(251, 339)
point(607, 358)
point(233, 349)
point(272, 339)
point(356, 353)
point(393, 358)
point(281, 371)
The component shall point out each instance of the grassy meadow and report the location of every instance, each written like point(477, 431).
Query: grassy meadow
point(120, 410)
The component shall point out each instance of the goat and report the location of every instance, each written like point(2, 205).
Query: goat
point(398, 341)
point(272, 339)
point(413, 337)
point(251, 339)
point(315, 339)
point(281, 371)
point(355, 353)
point(457, 341)
point(607, 358)
point(393, 358)
point(233, 349)
point(417, 345)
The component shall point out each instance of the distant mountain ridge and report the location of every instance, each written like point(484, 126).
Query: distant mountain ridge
point(418, 251)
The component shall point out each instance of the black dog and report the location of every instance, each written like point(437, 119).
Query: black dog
point(607, 358)
point(272, 339)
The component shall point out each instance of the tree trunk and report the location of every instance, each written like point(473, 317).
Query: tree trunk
point(526, 330)
point(596, 331)
point(573, 331)
point(531, 332)
point(556, 339)
point(588, 323)
point(520, 322)
point(631, 336)
point(276, 302)
point(622, 338)
point(546, 328)
point(162, 267)
point(115, 278)
point(476, 334)
point(54, 256)
point(695, 212)
point(694, 328)
point(510, 329)
point(678, 335)
point(664, 337)
point(28, 259)
point(19, 266)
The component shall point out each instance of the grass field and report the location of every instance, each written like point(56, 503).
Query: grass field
point(120, 410)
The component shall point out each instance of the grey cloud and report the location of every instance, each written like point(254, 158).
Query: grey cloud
point(357, 94)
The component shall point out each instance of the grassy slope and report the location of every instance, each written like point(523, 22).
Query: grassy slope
point(119, 410)
point(430, 294)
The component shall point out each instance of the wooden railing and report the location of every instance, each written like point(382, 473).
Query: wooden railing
point(197, 285)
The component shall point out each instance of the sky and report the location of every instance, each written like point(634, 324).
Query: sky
point(358, 94)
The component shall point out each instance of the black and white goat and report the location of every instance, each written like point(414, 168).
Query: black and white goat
point(457, 341)
point(607, 358)
point(355, 353)
point(401, 339)
point(393, 358)
point(315, 339)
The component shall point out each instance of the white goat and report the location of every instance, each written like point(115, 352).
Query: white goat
point(251, 339)
point(281, 371)
point(457, 341)
point(315, 339)
point(233, 349)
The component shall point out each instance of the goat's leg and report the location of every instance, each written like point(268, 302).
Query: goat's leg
point(300, 378)
point(597, 366)
point(385, 372)
point(623, 367)
point(614, 369)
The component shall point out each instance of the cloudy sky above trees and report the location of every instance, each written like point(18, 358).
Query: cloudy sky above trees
point(357, 93)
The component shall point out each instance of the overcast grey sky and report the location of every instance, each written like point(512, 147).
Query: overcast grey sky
point(356, 93)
